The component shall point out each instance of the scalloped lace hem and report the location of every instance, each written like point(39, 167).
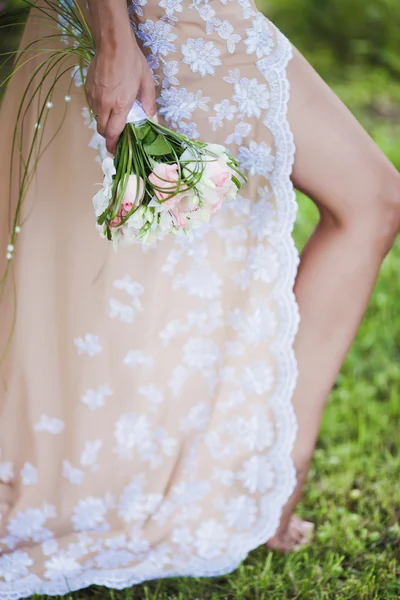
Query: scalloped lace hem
point(274, 71)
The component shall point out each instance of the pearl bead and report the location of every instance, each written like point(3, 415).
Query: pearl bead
point(49, 104)
point(67, 98)
point(37, 125)
point(17, 229)
point(9, 256)
point(10, 248)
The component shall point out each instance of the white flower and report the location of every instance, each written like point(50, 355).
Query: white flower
point(134, 505)
point(171, 6)
point(240, 512)
point(188, 129)
point(247, 8)
point(257, 475)
point(255, 433)
point(217, 149)
point(109, 171)
point(132, 288)
point(29, 524)
point(234, 348)
point(200, 353)
point(206, 12)
point(78, 77)
point(235, 398)
point(90, 453)
point(113, 559)
point(256, 327)
point(170, 69)
point(177, 103)
point(201, 56)
point(264, 263)
point(100, 203)
point(89, 515)
point(262, 220)
point(15, 566)
point(198, 417)
point(169, 446)
point(258, 378)
point(49, 547)
point(200, 282)
point(153, 396)
point(135, 7)
point(29, 474)
point(260, 37)
point(133, 431)
point(71, 473)
point(137, 358)
point(6, 471)
point(50, 425)
point(241, 131)
point(250, 96)
point(89, 344)
point(210, 539)
point(123, 312)
point(224, 110)
point(189, 492)
point(61, 566)
point(226, 32)
point(257, 158)
point(223, 476)
point(96, 398)
point(183, 538)
point(157, 36)
point(137, 219)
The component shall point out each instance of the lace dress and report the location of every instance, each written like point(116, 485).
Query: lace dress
point(146, 423)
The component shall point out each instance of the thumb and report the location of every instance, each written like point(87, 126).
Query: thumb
point(147, 93)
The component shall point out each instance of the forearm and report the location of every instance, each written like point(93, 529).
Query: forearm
point(111, 26)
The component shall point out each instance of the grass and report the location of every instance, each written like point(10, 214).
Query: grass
point(352, 494)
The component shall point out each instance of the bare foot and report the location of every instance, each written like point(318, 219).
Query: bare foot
point(297, 535)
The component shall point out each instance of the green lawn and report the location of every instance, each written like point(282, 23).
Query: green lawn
point(353, 493)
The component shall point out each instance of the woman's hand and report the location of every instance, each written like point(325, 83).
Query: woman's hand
point(113, 83)
point(118, 73)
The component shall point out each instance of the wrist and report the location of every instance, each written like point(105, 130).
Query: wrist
point(116, 41)
point(111, 26)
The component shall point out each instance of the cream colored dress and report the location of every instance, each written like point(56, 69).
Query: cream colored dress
point(146, 423)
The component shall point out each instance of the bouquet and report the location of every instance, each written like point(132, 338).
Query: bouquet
point(161, 182)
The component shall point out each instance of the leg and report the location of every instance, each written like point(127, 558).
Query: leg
point(357, 192)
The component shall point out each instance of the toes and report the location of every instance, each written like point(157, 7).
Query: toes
point(295, 529)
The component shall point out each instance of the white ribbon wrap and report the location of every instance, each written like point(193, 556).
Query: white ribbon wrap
point(136, 114)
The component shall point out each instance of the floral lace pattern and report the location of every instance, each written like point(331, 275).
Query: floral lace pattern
point(172, 453)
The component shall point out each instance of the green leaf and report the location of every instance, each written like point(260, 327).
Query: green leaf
point(142, 130)
point(160, 147)
point(150, 137)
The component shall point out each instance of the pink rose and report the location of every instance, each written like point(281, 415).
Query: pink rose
point(132, 195)
point(116, 220)
point(165, 178)
point(219, 173)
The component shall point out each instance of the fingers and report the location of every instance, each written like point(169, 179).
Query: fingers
point(102, 119)
point(114, 128)
point(147, 92)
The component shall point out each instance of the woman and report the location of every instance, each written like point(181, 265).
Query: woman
point(150, 400)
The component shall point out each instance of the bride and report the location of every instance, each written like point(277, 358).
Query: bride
point(159, 408)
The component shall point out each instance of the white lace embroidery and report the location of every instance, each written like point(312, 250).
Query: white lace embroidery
point(203, 545)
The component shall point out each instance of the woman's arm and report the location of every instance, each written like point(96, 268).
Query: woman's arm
point(118, 72)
